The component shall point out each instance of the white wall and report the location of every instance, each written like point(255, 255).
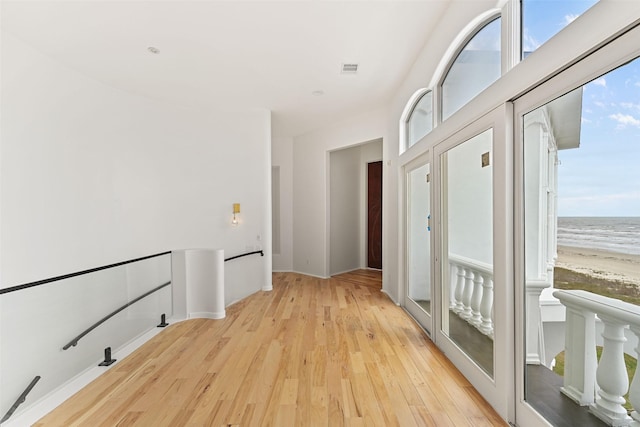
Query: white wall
point(345, 207)
point(311, 181)
point(282, 156)
point(369, 152)
point(92, 175)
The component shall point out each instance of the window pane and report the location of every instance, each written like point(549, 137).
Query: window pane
point(475, 68)
point(542, 19)
point(418, 238)
point(420, 122)
point(467, 233)
point(582, 232)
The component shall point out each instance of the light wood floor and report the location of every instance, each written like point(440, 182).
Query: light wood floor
point(311, 352)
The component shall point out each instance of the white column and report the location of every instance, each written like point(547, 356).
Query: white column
point(535, 339)
point(486, 305)
point(612, 375)
point(200, 291)
point(579, 355)
point(468, 292)
point(476, 298)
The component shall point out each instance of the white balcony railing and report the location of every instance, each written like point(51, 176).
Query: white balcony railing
point(472, 292)
point(600, 385)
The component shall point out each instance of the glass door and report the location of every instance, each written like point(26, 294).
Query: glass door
point(467, 243)
point(418, 298)
point(578, 242)
point(473, 182)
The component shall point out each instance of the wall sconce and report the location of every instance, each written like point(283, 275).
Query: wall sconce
point(236, 210)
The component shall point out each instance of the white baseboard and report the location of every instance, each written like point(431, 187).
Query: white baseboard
point(346, 271)
point(309, 274)
point(390, 297)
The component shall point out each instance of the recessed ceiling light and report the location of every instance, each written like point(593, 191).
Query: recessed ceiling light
point(317, 93)
point(153, 50)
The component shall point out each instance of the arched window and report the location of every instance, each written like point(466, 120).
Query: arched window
point(476, 67)
point(420, 121)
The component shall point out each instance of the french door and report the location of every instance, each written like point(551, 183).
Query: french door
point(474, 240)
point(480, 230)
point(458, 244)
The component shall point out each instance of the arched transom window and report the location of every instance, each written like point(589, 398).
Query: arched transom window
point(420, 121)
point(476, 67)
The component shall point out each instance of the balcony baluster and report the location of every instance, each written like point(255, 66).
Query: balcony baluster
point(634, 390)
point(467, 294)
point(476, 299)
point(459, 308)
point(453, 280)
point(611, 378)
point(472, 292)
point(612, 375)
point(486, 305)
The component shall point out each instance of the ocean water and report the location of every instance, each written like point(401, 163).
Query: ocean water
point(608, 233)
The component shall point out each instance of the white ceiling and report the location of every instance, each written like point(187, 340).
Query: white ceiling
point(237, 54)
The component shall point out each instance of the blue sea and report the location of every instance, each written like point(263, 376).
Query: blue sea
point(608, 233)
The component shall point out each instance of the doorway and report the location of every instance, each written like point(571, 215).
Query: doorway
point(349, 220)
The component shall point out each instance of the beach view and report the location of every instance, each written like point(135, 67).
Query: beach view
point(582, 232)
point(598, 197)
point(600, 255)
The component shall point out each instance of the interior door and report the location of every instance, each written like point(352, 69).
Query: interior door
point(374, 216)
point(418, 295)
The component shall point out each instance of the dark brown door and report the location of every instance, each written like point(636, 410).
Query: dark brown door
point(374, 221)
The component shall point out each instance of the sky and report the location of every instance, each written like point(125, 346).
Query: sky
point(602, 176)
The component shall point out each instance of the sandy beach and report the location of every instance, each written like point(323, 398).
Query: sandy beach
point(602, 264)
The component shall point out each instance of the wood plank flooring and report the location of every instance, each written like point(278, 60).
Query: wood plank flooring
point(333, 352)
point(543, 394)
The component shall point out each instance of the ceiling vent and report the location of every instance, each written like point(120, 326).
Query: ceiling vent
point(349, 68)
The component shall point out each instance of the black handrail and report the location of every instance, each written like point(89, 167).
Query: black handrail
point(74, 341)
point(21, 399)
point(241, 255)
point(79, 273)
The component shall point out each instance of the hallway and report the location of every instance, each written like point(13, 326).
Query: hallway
point(311, 352)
